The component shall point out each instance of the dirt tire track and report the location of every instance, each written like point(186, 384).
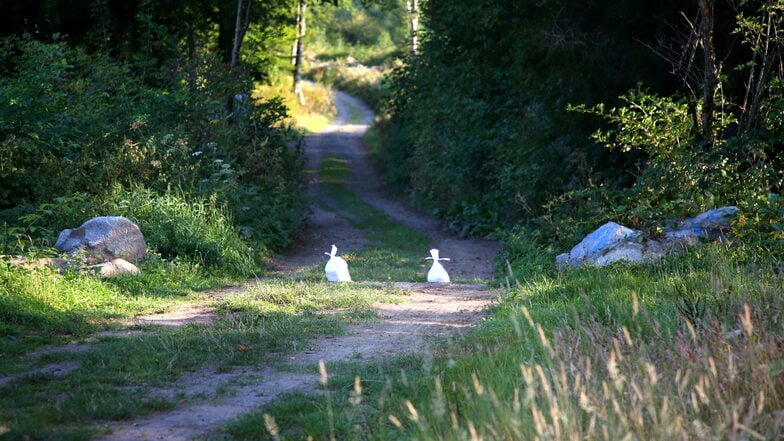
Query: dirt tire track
point(429, 315)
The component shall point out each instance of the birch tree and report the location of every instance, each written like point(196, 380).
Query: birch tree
point(302, 6)
point(240, 28)
point(413, 21)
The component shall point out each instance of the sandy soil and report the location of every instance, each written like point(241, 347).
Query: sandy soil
point(429, 315)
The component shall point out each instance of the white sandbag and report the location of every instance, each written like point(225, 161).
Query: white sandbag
point(437, 273)
point(336, 268)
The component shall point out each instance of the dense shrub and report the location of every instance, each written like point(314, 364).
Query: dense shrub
point(481, 128)
point(79, 124)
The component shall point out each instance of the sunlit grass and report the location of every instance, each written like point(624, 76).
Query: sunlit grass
point(311, 117)
point(301, 296)
point(40, 306)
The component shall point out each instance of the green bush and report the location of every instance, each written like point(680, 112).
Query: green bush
point(759, 229)
point(176, 226)
point(74, 125)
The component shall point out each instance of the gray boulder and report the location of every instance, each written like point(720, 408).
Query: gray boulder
point(104, 239)
point(609, 243)
point(613, 242)
point(707, 226)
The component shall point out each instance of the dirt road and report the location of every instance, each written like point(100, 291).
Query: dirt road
point(470, 258)
point(431, 313)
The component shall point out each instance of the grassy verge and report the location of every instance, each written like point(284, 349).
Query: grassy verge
point(681, 350)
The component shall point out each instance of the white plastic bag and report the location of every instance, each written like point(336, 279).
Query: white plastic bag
point(437, 273)
point(336, 268)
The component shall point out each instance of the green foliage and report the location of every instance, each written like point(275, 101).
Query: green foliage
point(200, 230)
point(361, 30)
point(681, 176)
point(655, 125)
point(47, 134)
point(96, 125)
point(480, 128)
point(760, 228)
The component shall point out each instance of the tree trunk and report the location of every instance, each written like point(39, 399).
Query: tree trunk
point(413, 21)
point(710, 71)
point(298, 48)
point(226, 21)
point(235, 50)
point(240, 28)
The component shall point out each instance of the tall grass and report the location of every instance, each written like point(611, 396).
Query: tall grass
point(588, 383)
point(640, 366)
point(189, 227)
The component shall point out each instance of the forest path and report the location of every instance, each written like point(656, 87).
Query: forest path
point(428, 315)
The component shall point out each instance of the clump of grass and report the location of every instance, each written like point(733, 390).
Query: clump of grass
point(198, 229)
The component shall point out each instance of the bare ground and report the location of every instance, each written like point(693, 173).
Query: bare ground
point(429, 315)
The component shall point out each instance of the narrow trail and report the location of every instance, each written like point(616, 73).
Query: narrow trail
point(430, 314)
point(471, 258)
